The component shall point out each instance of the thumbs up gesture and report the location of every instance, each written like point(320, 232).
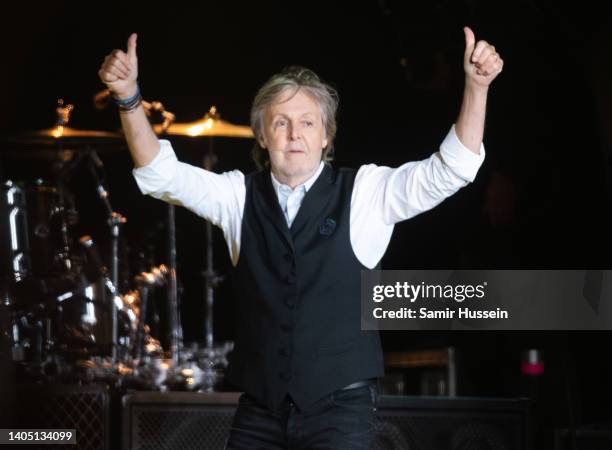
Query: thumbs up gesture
point(481, 62)
point(119, 71)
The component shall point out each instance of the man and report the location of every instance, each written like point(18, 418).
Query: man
point(299, 233)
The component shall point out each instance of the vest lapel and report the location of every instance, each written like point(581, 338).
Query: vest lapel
point(273, 209)
point(314, 201)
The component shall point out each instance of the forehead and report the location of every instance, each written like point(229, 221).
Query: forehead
point(294, 103)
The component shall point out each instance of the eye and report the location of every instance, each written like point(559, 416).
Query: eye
point(280, 123)
point(308, 123)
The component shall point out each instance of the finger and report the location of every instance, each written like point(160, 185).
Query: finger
point(131, 45)
point(490, 62)
point(498, 67)
point(114, 59)
point(480, 46)
point(121, 71)
point(484, 55)
point(116, 72)
point(470, 40)
point(495, 68)
point(106, 76)
point(122, 56)
point(119, 64)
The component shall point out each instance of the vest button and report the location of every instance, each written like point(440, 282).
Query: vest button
point(285, 376)
point(290, 303)
point(284, 351)
point(286, 328)
point(291, 278)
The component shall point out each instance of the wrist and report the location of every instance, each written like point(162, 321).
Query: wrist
point(126, 93)
point(475, 89)
point(128, 104)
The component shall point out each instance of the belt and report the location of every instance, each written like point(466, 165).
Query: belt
point(358, 384)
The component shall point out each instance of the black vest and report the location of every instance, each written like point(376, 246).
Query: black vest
point(298, 296)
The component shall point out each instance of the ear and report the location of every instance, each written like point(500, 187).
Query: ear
point(262, 141)
point(324, 142)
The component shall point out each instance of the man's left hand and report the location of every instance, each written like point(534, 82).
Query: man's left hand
point(481, 62)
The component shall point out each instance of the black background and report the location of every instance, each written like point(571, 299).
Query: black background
point(398, 69)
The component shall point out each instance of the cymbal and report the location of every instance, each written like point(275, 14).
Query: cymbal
point(207, 126)
point(63, 135)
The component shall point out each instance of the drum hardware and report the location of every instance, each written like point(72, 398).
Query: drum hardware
point(114, 221)
point(62, 304)
point(32, 346)
point(212, 357)
point(17, 341)
point(176, 342)
point(210, 125)
point(211, 279)
point(74, 321)
point(213, 362)
point(61, 141)
point(63, 113)
point(14, 234)
point(146, 280)
point(67, 216)
point(102, 100)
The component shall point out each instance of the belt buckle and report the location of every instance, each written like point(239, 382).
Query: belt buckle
point(356, 385)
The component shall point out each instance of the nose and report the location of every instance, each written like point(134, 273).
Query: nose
point(293, 132)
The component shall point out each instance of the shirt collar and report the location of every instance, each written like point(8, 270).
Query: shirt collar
point(306, 185)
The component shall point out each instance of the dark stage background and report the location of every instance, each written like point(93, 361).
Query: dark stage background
point(541, 199)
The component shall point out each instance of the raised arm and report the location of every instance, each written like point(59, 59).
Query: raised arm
point(384, 196)
point(119, 72)
point(482, 64)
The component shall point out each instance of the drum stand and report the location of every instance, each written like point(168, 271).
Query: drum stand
point(115, 220)
point(211, 279)
point(213, 358)
point(176, 334)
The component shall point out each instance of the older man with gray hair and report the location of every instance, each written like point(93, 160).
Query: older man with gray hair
point(299, 233)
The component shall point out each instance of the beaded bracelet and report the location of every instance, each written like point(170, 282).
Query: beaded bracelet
point(129, 104)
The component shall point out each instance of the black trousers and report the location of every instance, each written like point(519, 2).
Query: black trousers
point(343, 420)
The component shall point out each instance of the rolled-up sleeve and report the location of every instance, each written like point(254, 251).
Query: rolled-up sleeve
point(218, 198)
point(461, 160)
point(383, 196)
point(155, 176)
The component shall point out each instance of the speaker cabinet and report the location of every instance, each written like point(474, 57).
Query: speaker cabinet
point(451, 423)
point(177, 420)
point(184, 421)
point(84, 408)
point(584, 439)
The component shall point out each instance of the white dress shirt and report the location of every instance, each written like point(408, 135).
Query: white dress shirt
point(382, 196)
point(289, 199)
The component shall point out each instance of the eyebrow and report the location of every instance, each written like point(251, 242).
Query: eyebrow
point(309, 114)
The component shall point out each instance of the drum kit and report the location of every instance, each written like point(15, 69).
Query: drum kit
point(71, 316)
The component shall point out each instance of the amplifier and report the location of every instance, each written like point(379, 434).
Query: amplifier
point(84, 408)
point(184, 421)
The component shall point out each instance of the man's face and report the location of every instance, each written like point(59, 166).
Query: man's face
point(294, 135)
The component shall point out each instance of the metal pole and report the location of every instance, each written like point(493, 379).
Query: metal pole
point(115, 221)
point(172, 288)
point(209, 276)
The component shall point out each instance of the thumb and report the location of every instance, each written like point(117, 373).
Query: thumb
point(132, 46)
point(470, 42)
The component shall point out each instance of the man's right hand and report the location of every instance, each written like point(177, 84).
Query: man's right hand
point(119, 71)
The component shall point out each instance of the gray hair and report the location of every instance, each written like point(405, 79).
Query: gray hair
point(295, 78)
